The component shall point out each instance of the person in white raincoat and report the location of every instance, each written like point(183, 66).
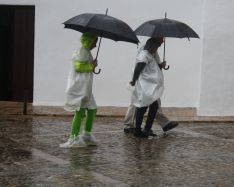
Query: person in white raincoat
point(160, 117)
point(79, 97)
point(149, 86)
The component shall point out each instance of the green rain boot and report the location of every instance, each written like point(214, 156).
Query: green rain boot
point(76, 123)
point(88, 138)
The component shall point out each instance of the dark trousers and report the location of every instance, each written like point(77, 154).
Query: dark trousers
point(140, 112)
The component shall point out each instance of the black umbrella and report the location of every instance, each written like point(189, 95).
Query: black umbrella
point(103, 26)
point(165, 28)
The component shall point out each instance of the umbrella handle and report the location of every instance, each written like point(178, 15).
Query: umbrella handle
point(99, 71)
point(164, 51)
point(166, 68)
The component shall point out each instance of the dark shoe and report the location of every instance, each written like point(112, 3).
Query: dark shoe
point(141, 134)
point(151, 133)
point(129, 129)
point(170, 126)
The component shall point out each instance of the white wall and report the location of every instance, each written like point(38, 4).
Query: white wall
point(54, 45)
point(217, 78)
point(200, 72)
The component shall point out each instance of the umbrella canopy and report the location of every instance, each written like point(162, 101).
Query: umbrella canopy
point(166, 28)
point(102, 25)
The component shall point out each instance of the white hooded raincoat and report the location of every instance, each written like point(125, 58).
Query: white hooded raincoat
point(79, 86)
point(150, 84)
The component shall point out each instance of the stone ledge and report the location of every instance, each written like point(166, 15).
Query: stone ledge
point(173, 113)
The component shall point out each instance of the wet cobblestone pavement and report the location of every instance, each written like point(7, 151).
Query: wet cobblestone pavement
point(193, 154)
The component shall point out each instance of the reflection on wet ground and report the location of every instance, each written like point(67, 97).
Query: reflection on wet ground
point(193, 154)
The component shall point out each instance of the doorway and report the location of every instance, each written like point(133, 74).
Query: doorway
point(16, 52)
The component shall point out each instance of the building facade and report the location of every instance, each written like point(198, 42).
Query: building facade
point(36, 51)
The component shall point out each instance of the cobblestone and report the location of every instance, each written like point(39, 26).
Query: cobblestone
point(194, 154)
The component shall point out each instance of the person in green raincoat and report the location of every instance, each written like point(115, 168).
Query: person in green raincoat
point(79, 97)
